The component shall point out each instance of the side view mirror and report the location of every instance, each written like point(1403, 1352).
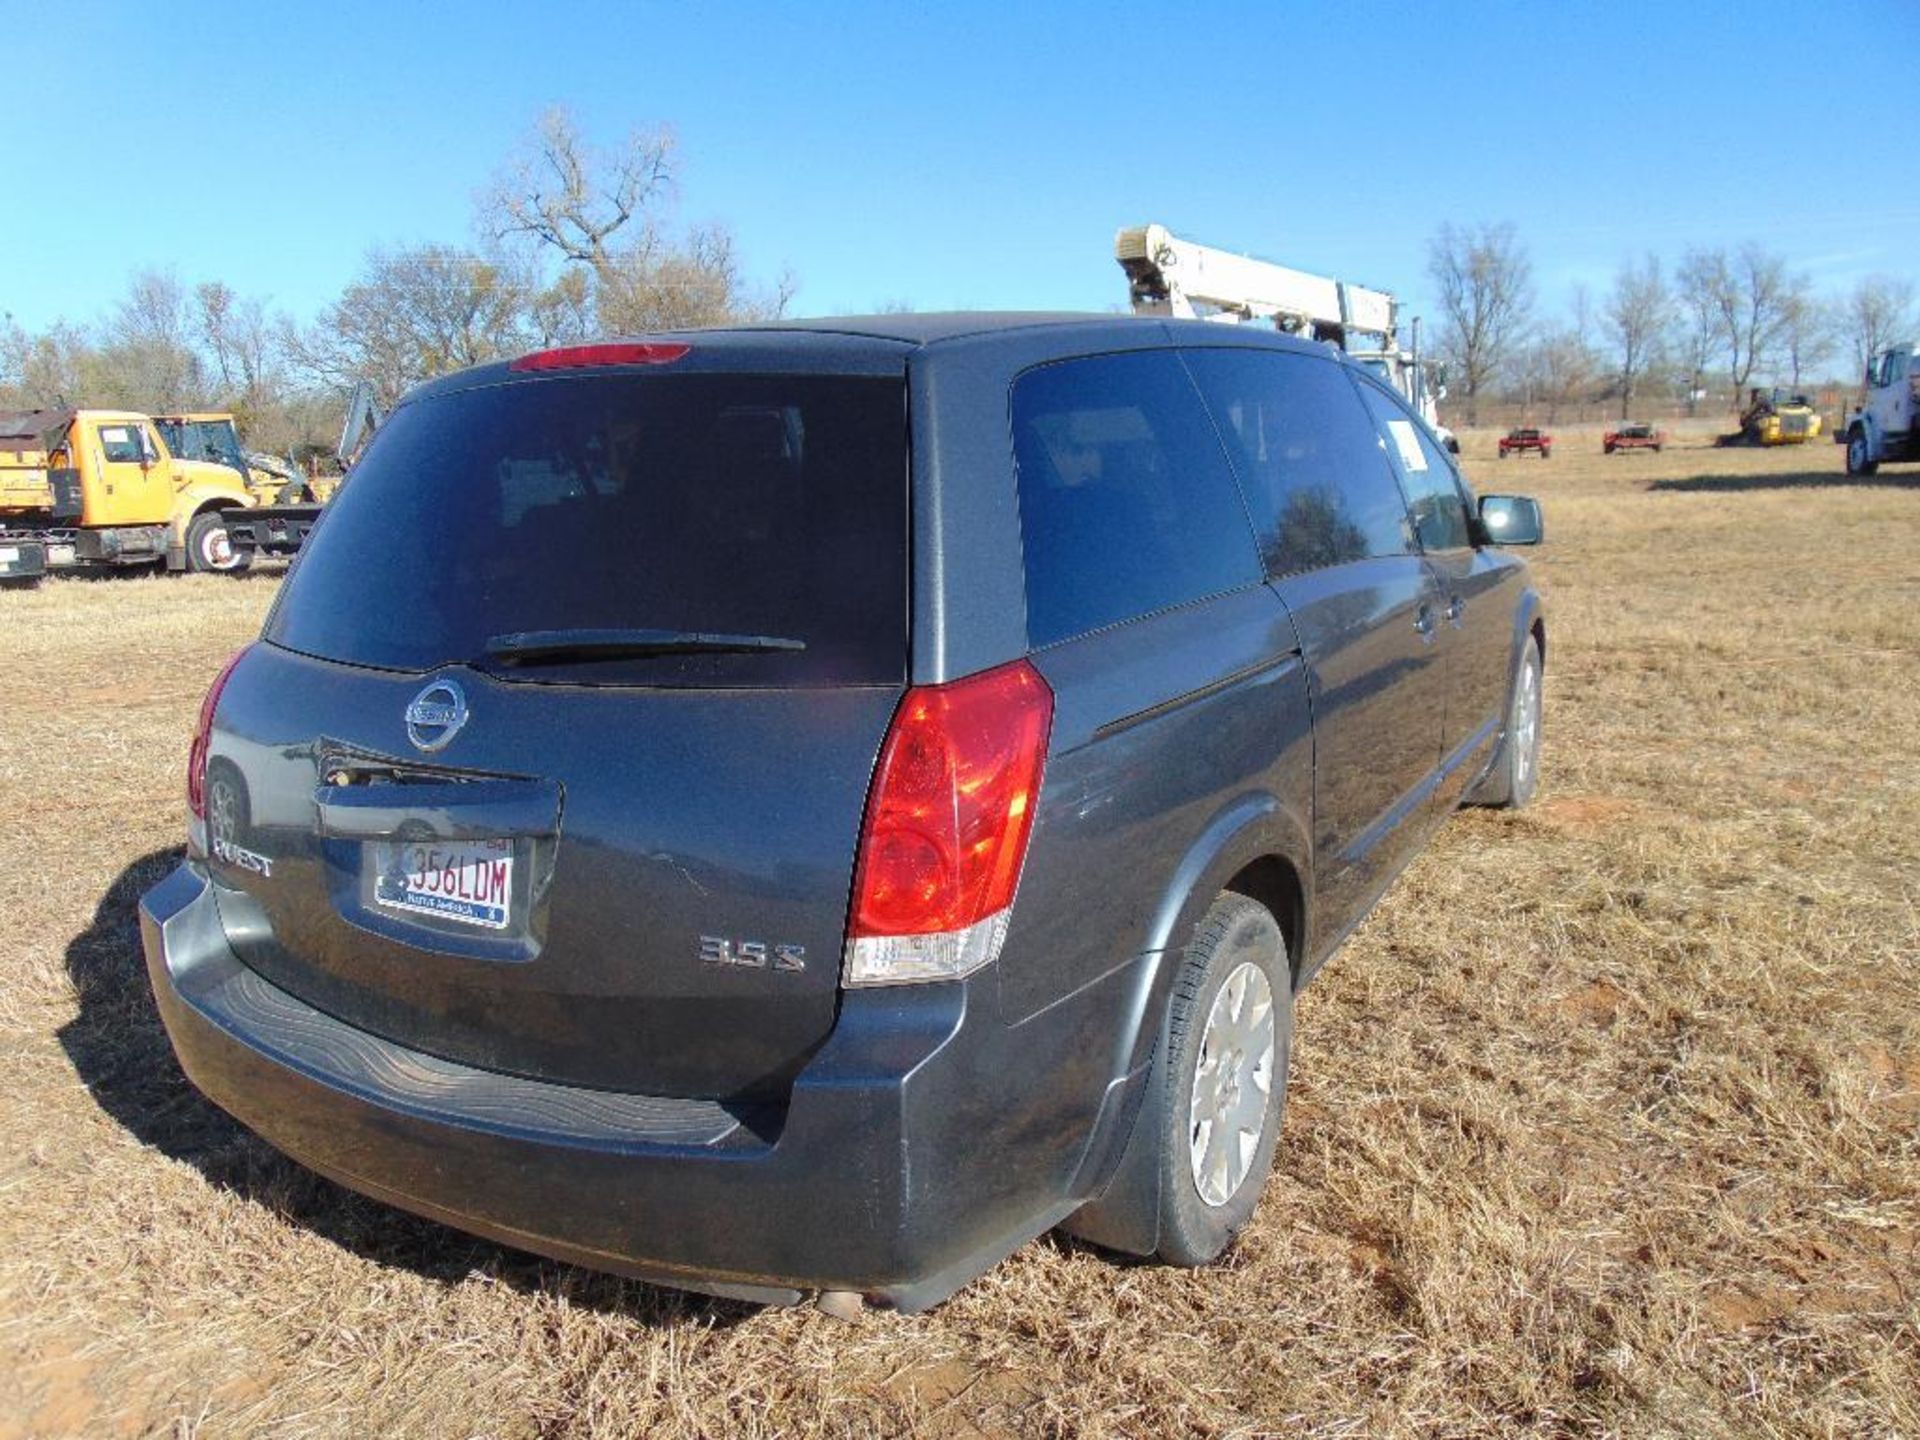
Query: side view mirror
point(1511, 519)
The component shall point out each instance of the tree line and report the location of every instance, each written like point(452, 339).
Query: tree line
point(572, 240)
point(1707, 328)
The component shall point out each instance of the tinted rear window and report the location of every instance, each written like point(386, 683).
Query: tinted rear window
point(1127, 505)
point(737, 504)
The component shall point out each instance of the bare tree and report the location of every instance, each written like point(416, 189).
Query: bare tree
point(1558, 368)
point(1742, 297)
point(561, 191)
point(1486, 296)
point(1879, 312)
point(1637, 313)
point(148, 360)
point(605, 215)
point(1808, 333)
point(414, 314)
point(241, 340)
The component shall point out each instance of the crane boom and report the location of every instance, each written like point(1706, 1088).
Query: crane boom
point(1170, 276)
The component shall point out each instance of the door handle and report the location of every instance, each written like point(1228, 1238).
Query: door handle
point(1456, 611)
point(1423, 621)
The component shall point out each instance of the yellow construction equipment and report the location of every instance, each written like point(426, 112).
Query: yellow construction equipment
point(101, 488)
point(1777, 417)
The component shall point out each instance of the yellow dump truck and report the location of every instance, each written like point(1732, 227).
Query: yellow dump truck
point(101, 489)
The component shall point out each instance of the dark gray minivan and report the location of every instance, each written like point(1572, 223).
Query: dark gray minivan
point(807, 808)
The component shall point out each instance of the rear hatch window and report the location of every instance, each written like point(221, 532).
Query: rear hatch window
point(758, 507)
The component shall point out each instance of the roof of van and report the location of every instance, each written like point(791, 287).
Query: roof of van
point(879, 343)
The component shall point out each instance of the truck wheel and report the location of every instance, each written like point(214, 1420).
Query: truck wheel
point(210, 551)
point(1229, 1037)
point(1860, 459)
point(1546, 452)
point(1516, 771)
point(1606, 449)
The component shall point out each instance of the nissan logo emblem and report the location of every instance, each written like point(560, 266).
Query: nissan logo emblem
point(436, 715)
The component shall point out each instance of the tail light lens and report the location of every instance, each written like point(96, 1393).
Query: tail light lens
point(946, 827)
point(580, 357)
point(202, 734)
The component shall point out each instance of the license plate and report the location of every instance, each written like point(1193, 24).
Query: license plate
point(467, 881)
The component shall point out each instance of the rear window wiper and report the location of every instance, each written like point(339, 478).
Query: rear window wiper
point(557, 647)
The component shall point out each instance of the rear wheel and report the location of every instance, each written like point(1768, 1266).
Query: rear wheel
point(210, 550)
point(1229, 1038)
point(1860, 459)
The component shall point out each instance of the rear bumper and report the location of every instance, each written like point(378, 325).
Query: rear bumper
point(270, 529)
point(923, 1142)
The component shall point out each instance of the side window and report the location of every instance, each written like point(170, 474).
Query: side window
point(1319, 484)
point(121, 444)
point(1127, 504)
point(1434, 496)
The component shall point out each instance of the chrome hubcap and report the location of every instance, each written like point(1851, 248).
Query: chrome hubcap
point(1231, 1084)
point(218, 548)
point(1526, 722)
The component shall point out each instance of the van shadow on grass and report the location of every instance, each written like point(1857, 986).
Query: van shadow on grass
point(121, 1052)
point(1835, 479)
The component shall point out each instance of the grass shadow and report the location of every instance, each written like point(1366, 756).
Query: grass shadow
point(1797, 480)
point(120, 1050)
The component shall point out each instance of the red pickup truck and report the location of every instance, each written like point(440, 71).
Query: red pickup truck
point(1518, 442)
point(1634, 435)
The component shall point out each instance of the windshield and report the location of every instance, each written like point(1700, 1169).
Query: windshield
point(758, 505)
point(210, 440)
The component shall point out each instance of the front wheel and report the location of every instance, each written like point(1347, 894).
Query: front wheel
point(1546, 452)
point(1516, 771)
point(210, 550)
point(1860, 459)
point(1230, 1034)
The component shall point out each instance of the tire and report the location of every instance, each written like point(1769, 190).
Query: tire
point(209, 552)
point(1546, 452)
point(1607, 449)
point(1233, 1000)
point(1656, 449)
point(1859, 453)
point(1516, 770)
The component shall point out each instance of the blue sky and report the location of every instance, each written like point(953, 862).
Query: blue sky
point(978, 155)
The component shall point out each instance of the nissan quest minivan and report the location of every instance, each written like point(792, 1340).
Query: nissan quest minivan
point(804, 809)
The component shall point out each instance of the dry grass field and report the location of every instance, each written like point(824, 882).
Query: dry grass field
point(1607, 1123)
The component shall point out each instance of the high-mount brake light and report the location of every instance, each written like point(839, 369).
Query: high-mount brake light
point(946, 827)
point(203, 735)
point(581, 357)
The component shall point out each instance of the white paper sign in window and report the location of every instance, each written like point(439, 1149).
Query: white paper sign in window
point(1411, 454)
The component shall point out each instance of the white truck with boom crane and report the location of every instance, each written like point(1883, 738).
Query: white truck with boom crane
point(1886, 426)
point(1170, 276)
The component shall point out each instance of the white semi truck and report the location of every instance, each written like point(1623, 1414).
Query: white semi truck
point(1887, 426)
point(1170, 276)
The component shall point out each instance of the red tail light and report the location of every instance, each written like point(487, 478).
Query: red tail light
point(578, 357)
point(946, 826)
point(203, 732)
